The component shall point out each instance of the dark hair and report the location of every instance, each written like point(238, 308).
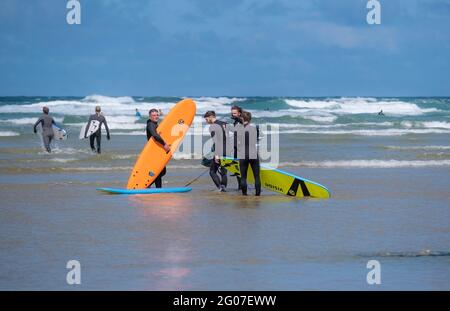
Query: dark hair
point(237, 108)
point(209, 113)
point(246, 116)
point(45, 110)
point(153, 110)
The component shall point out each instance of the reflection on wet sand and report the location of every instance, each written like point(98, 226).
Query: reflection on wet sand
point(174, 247)
point(161, 200)
point(234, 199)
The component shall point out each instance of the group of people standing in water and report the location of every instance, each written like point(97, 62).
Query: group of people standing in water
point(244, 143)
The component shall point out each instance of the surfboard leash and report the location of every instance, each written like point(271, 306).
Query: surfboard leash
point(195, 179)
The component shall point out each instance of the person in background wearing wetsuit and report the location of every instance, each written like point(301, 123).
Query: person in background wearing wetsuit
point(152, 125)
point(47, 128)
point(236, 112)
point(215, 126)
point(138, 114)
point(248, 153)
point(97, 116)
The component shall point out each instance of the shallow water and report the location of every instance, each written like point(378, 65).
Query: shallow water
point(389, 202)
point(207, 240)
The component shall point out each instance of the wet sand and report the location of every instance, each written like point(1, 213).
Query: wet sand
point(204, 240)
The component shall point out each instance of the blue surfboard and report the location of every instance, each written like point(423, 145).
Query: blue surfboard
point(145, 191)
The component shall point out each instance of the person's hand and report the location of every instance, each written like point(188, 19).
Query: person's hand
point(34, 131)
point(108, 137)
point(166, 148)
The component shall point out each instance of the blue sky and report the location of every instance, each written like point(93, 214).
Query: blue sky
point(239, 48)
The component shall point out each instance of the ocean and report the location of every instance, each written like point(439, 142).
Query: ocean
point(388, 176)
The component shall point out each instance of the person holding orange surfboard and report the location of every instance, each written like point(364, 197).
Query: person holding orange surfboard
point(152, 125)
point(156, 154)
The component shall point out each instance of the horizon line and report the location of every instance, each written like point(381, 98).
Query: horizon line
point(254, 96)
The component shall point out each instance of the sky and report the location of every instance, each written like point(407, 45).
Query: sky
point(225, 47)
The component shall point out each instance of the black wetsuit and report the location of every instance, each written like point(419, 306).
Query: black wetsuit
point(214, 167)
point(235, 143)
point(47, 130)
point(151, 132)
point(98, 134)
point(248, 161)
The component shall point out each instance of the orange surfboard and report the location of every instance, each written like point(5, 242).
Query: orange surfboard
point(153, 158)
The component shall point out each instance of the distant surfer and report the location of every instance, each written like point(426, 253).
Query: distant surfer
point(138, 114)
point(160, 112)
point(215, 127)
point(236, 113)
point(97, 116)
point(381, 113)
point(46, 122)
point(152, 125)
point(247, 149)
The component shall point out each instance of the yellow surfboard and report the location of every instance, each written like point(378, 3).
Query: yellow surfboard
point(153, 158)
point(280, 181)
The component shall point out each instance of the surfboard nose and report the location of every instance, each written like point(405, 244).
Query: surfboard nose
point(189, 104)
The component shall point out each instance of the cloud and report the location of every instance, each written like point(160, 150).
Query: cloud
point(224, 44)
point(329, 34)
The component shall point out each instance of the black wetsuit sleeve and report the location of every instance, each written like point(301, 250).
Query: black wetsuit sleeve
point(147, 129)
point(106, 126)
point(224, 135)
point(37, 122)
point(56, 124)
point(258, 133)
point(151, 129)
